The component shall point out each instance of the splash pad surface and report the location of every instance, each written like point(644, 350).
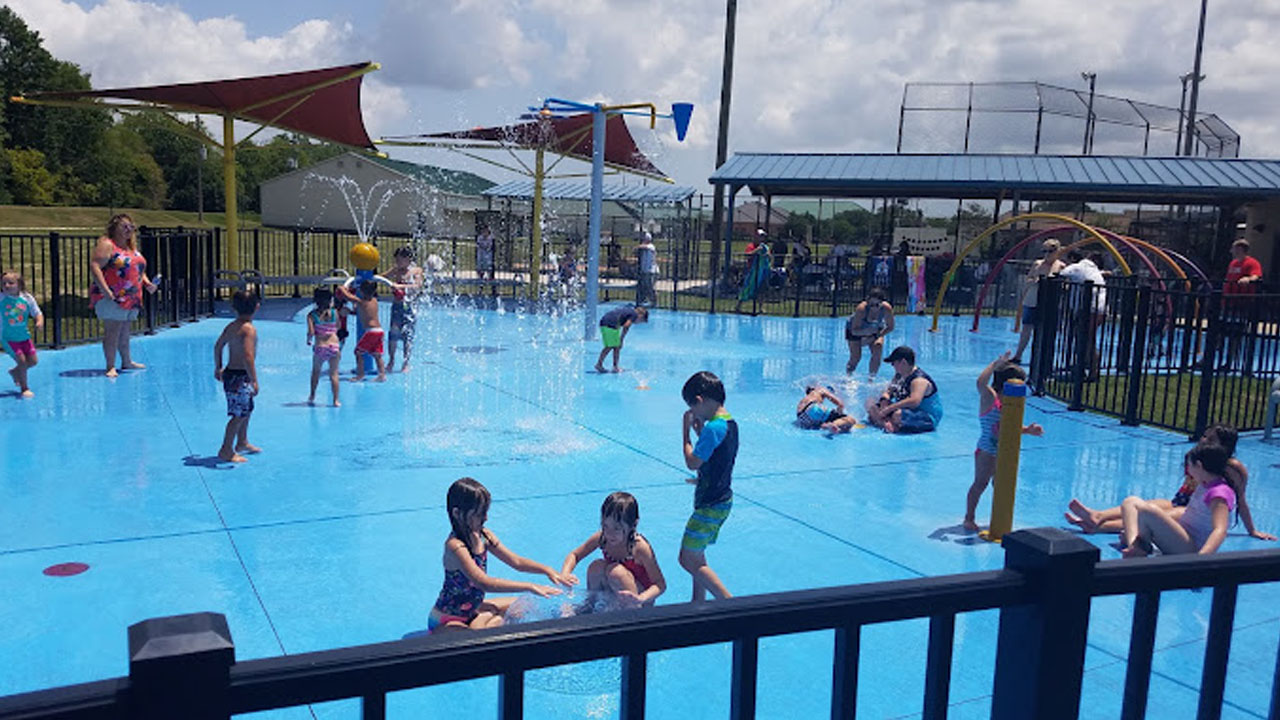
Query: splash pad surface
point(333, 535)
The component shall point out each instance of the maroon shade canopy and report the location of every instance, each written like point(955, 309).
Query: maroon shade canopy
point(321, 103)
point(568, 136)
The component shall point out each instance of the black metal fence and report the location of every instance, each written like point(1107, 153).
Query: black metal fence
point(184, 667)
point(1158, 352)
point(56, 270)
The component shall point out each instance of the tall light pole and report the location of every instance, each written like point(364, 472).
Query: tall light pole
point(1182, 110)
point(1188, 140)
point(1087, 148)
point(722, 143)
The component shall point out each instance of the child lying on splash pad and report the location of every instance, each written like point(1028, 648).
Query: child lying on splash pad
point(812, 412)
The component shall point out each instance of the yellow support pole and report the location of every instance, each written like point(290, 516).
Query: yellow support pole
point(1013, 400)
point(535, 252)
point(229, 189)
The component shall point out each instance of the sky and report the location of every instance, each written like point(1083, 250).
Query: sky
point(809, 75)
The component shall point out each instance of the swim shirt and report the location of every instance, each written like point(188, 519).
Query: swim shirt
point(14, 312)
point(618, 317)
point(900, 389)
point(717, 447)
point(1198, 517)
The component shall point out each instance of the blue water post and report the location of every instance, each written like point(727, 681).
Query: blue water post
point(370, 367)
point(598, 118)
point(1040, 650)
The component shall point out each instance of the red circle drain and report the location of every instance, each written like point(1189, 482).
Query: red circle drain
point(65, 569)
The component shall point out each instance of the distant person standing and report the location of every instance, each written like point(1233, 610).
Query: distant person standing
point(484, 254)
point(1091, 309)
point(119, 276)
point(647, 275)
point(1030, 292)
point(870, 322)
point(1243, 272)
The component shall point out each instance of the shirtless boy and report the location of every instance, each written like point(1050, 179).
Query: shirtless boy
point(240, 377)
point(370, 343)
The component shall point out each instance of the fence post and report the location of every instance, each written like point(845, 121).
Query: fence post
point(257, 253)
point(297, 266)
point(55, 286)
point(334, 236)
point(211, 253)
point(150, 247)
point(1081, 358)
point(180, 666)
point(797, 275)
point(1040, 649)
point(1137, 357)
point(1045, 335)
point(1213, 335)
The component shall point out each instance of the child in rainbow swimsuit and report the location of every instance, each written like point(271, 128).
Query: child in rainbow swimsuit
point(322, 328)
point(16, 308)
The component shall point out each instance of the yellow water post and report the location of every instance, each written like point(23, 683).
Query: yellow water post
point(229, 189)
point(1013, 400)
point(535, 252)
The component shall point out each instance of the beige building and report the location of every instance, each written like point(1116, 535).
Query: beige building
point(369, 195)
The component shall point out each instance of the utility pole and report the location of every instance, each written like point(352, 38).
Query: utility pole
point(722, 142)
point(1188, 140)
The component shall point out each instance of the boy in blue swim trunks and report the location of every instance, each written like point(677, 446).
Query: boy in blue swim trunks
point(240, 377)
point(613, 330)
point(712, 456)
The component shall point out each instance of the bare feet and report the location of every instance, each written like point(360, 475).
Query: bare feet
point(616, 369)
point(599, 369)
point(311, 401)
point(1082, 517)
point(28, 394)
point(233, 457)
point(247, 448)
point(381, 378)
point(970, 525)
point(337, 404)
point(404, 368)
point(357, 378)
point(111, 372)
point(133, 366)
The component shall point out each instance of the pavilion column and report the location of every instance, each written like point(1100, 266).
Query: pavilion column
point(229, 190)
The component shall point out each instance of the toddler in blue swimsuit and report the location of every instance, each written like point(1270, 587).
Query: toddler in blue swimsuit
point(990, 381)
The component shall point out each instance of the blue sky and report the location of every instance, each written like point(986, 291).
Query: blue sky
point(811, 75)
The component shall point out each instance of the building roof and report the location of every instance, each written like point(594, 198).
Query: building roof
point(569, 190)
point(1097, 178)
point(458, 182)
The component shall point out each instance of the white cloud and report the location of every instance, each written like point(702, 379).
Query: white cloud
point(809, 75)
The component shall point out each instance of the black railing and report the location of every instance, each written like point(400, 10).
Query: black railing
point(1158, 353)
point(184, 666)
point(56, 271)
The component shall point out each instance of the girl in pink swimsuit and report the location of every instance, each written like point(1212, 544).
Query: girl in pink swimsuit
point(322, 328)
point(629, 569)
point(1201, 528)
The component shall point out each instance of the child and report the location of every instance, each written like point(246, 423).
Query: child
point(713, 457)
point(813, 414)
point(240, 378)
point(990, 382)
point(370, 343)
point(322, 326)
point(1108, 520)
point(613, 330)
point(16, 308)
point(1201, 528)
point(407, 277)
point(629, 569)
point(461, 603)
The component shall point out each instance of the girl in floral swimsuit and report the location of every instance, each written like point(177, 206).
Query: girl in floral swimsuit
point(462, 602)
point(629, 570)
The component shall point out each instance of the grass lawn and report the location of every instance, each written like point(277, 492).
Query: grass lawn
point(26, 219)
point(1170, 400)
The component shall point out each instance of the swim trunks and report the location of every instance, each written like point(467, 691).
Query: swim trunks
point(235, 383)
point(915, 420)
point(403, 321)
point(611, 336)
point(370, 342)
point(704, 526)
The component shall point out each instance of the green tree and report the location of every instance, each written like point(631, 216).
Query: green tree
point(30, 182)
point(128, 175)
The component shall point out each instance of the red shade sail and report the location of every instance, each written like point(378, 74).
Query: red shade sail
point(567, 136)
point(321, 103)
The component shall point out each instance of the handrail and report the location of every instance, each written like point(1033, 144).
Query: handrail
point(419, 662)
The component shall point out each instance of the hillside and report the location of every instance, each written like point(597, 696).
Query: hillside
point(25, 219)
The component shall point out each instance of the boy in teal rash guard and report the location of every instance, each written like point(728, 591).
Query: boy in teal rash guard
point(713, 457)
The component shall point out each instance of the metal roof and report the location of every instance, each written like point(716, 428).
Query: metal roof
point(568, 190)
point(1097, 178)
